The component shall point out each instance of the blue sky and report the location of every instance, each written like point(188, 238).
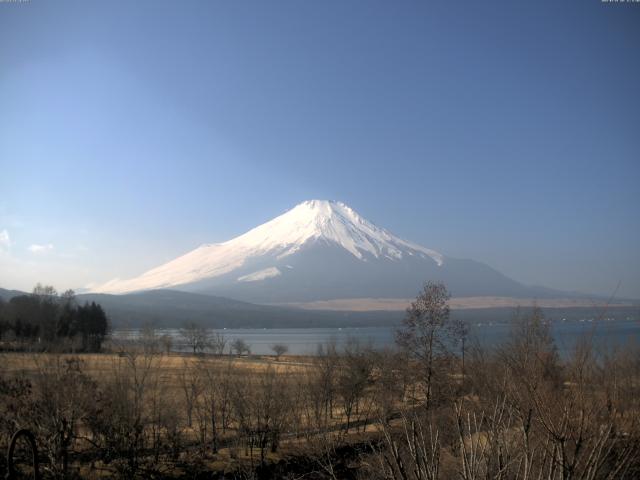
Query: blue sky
point(506, 132)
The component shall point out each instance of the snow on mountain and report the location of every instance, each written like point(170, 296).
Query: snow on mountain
point(311, 222)
point(331, 221)
point(319, 250)
point(260, 275)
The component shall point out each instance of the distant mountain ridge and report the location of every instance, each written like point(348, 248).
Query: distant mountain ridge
point(7, 295)
point(321, 250)
point(172, 308)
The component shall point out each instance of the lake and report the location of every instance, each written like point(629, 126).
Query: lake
point(304, 341)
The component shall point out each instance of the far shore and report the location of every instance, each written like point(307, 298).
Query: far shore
point(457, 303)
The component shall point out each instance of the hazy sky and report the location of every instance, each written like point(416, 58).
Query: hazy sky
point(507, 132)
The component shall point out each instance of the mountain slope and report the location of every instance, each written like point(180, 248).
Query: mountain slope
point(319, 250)
point(313, 221)
point(7, 295)
point(172, 308)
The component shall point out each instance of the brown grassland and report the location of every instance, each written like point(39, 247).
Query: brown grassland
point(428, 409)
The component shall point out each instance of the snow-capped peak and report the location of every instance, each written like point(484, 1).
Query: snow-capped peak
point(312, 220)
point(332, 221)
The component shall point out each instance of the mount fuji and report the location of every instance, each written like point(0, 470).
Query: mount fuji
point(318, 251)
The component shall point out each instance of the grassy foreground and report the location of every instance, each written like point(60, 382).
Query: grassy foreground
point(514, 412)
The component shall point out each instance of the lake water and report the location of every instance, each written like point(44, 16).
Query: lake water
point(304, 341)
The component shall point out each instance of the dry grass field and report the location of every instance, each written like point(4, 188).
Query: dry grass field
point(517, 411)
point(98, 365)
point(245, 402)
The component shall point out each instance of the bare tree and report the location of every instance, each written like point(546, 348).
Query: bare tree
point(189, 381)
point(195, 336)
point(62, 400)
point(262, 409)
point(240, 346)
point(326, 361)
point(217, 343)
point(167, 343)
point(353, 378)
point(279, 349)
point(411, 453)
point(428, 334)
point(149, 339)
point(119, 423)
point(391, 377)
point(214, 398)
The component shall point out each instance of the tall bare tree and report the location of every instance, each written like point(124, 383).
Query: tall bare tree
point(429, 334)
